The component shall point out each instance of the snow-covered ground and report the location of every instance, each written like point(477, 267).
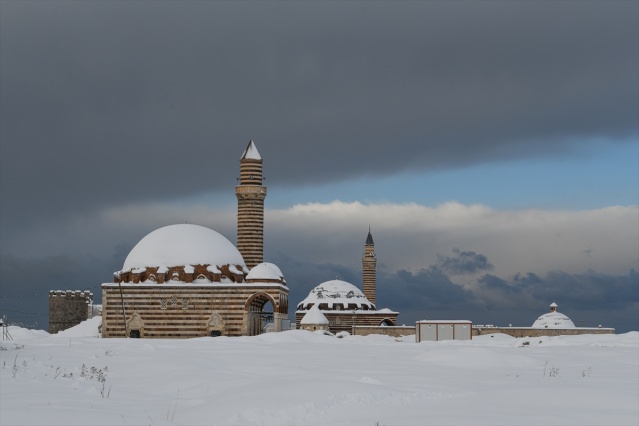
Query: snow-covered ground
point(303, 378)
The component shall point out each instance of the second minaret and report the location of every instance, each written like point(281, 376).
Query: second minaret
point(369, 268)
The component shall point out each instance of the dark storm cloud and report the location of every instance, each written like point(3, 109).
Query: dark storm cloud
point(429, 288)
point(109, 103)
point(464, 262)
point(589, 291)
point(26, 283)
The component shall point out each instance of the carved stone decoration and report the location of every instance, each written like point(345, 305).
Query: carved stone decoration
point(135, 325)
point(215, 325)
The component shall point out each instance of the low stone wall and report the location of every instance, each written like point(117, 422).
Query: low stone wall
point(537, 332)
point(397, 331)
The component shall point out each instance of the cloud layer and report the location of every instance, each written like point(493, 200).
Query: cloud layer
point(453, 259)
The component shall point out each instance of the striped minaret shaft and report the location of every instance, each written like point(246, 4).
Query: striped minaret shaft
point(369, 268)
point(250, 207)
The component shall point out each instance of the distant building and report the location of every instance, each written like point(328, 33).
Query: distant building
point(436, 330)
point(68, 308)
point(553, 319)
point(552, 323)
point(345, 305)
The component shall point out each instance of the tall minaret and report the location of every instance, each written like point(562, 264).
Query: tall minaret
point(250, 207)
point(369, 267)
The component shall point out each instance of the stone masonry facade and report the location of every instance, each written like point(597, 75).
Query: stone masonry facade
point(68, 308)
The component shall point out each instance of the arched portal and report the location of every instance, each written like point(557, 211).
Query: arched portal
point(386, 322)
point(255, 314)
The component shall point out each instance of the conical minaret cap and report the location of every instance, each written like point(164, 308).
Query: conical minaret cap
point(251, 152)
point(369, 239)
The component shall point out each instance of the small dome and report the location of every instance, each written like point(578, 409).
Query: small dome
point(314, 316)
point(553, 319)
point(265, 271)
point(336, 293)
point(183, 244)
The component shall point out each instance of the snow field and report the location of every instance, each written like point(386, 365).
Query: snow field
point(303, 378)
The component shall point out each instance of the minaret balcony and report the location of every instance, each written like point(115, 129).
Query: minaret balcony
point(250, 189)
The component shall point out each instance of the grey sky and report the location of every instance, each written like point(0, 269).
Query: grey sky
point(95, 89)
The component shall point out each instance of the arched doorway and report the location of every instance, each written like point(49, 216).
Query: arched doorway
point(258, 311)
point(387, 322)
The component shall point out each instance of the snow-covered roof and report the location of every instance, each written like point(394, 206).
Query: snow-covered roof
point(251, 152)
point(183, 244)
point(553, 319)
point(314, 316)
point(334, 293)
point(265, 271)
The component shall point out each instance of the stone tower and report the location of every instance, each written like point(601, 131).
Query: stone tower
point(369, 267)
point(250, 207)
point(68, 308)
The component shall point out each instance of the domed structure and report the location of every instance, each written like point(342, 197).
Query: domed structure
point(183, 253)
point(265, 271)
point(553, 319)
point(190, 281)
point(314, 320)
point(183, 244)
point(346, 306)
point(336, 295)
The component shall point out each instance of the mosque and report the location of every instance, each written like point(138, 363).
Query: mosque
point(190, 281)
point(186, 280)
point(338, 305)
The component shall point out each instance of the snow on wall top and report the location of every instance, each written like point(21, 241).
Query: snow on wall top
point(265, 271)
point(335, 292)
point(183, 244)
point(314, 316)
point(251, 152)
point(553, 320)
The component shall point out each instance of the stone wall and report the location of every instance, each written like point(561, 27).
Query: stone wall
point(182, 311)
point(537, 332)
point(68, 308)
point(395, 331)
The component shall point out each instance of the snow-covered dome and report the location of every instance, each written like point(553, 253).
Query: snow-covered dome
point(183, 244)
point(553, 319)
point(314, 316)
point(265, 271)
point(336, 294)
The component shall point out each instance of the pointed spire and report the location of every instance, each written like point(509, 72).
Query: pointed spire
point(369, 238)
point(251, 152)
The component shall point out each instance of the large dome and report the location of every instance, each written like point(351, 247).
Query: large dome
point(336, 293)
point(183, 244)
